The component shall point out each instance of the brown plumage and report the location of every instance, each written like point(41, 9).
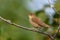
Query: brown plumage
point(36, 22)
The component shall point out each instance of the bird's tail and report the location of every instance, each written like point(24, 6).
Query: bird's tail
point(45, 25)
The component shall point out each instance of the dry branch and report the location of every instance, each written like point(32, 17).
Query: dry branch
point(25, 28)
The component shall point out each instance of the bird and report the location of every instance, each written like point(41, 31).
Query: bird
point(36, 22)
point(38, 6)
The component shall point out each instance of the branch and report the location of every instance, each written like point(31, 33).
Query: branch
point(57, 29)
point(58, 20)
point(53, 7)
point(25, 28)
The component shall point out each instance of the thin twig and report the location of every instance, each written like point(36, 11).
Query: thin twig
point(30, 29)
point(53, 7)
point(57, 29)
point(58, 20)
point(56, 11)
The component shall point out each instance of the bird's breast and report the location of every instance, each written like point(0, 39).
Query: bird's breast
point(34, 24)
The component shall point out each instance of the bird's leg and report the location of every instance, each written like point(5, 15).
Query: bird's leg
point(34, 28)
point(40, 28)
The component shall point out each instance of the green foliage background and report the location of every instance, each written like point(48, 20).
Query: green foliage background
point(14, 11)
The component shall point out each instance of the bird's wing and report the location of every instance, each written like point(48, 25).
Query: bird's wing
point(37, 21)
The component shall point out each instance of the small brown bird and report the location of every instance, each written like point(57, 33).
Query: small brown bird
point(36, 22)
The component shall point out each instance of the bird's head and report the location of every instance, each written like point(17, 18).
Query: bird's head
point(31, 15)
